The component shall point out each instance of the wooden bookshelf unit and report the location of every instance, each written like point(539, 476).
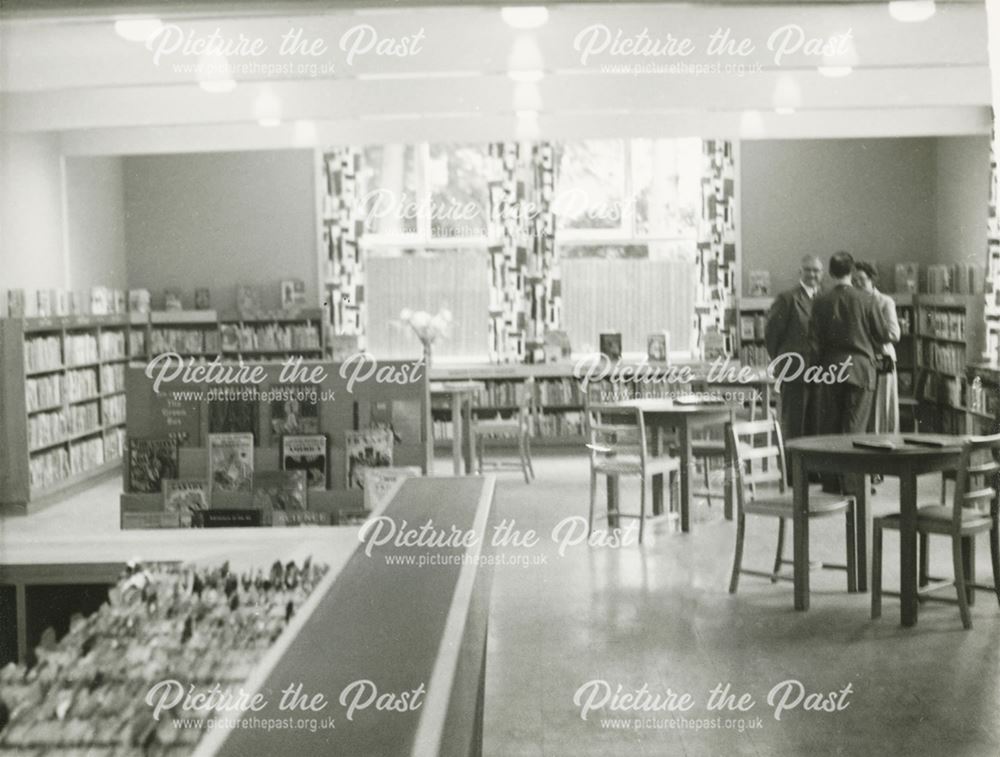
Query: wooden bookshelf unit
point(62, 403)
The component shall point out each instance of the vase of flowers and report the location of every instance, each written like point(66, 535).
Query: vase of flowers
point(428, 328)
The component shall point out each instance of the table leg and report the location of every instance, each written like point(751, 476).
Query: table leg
point(456, 433)
point(800, 531)
point(658, 478)
point(729, 477)
point(908, 548)
point(686, 475)
point(469, 435)
point(613, 501)
point(862, 529)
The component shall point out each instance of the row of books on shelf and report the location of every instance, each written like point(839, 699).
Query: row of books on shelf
point(754, 355)
point(982, 399)
point(101, 300)
point(204, 625)
point(55, 426)
point(948, 358)
point(75, 385)
point(549, 425)
point(944, 324)
point(46, 303)
point(957, 278)
point(269, 338)
point(939, 278)
point(51, 352)
point(947, 390)
point(189, 341)
point(752, 327)
point(53, 466)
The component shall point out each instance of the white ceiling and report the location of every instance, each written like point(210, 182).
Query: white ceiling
point(107, 95)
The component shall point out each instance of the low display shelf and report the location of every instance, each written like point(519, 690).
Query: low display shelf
point(62, 419)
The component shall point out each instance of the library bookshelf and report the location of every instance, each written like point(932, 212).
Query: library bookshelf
point(62, 403)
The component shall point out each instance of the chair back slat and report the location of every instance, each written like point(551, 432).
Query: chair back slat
point(616, 431)
point(755, 452)
point(978, 478)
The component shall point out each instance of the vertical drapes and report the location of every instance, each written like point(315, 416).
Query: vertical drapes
point(344, 284)
point(525, 283)
point(717, 265)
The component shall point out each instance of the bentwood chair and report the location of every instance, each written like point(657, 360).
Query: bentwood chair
point(973, 511)
point(618, 447)
point(518, 427)
point(756, 452)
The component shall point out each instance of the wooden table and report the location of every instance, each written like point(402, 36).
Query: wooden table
point(837, 454)
point(463, 443)
point(661, 415)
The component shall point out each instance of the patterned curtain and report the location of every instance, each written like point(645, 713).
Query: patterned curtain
point(525, 283)
point(342, 229)
point(716, 260)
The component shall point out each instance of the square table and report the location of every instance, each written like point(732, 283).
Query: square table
point(662, 415)
point(838, 454)
point(463, 443)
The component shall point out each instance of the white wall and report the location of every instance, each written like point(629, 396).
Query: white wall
point(95, 222)
point(217, 220)
point(31, 212)
point(962, 197)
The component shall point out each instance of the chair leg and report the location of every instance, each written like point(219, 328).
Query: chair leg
point(779, 553)
point(734, 581)
point(995, 558)
point(524, 460)
point(527, 449)
point(959, 566)
point(969, 568)
point(923, 577)
point(593, 501)
point(481, 449)
point(944, 490)
point(876, 569)
point(642, 507)
point(852, 550)
point(708, 487)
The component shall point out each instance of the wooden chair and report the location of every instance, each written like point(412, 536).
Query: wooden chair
point(619, 447)
point(761, 490)
point(518, 427)
point(973, 511)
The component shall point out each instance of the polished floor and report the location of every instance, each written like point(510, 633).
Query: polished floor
point(660, 616)
point(657, 616)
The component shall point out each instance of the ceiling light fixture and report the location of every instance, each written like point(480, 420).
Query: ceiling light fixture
point(215, 74)
point(525, 16)
point(912, 11)
point(137, 28)
point(526, 77)
point(835, 72)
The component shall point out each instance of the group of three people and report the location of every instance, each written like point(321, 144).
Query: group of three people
point(850, 326)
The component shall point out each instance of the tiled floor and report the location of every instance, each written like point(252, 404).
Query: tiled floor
point(660, 616)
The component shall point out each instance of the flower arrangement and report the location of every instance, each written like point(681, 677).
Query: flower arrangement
point(428, 328)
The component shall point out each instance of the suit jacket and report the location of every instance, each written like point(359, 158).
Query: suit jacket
point(847, 322)
point(787, 327)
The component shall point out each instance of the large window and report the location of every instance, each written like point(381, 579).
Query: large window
point(626, 211)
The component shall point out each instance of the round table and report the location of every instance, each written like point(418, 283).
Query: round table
point(838, 454)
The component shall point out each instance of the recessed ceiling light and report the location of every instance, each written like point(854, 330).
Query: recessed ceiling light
point(912, 11)
point(526, 77)
point(269, 123)
point(835, 72)
point(137, 28)
point(784, 111)
point(525, 16)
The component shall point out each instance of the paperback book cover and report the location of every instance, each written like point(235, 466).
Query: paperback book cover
point(293, 294)
point(760, 283)
point(184, 497)
point(202, 299)
point(381, 483)
point(279, 490)
point(234, 518)
point(138, 300)
point(230, 337)
point(363, 450)
point(15, 303)
point(297, 412)
point(611, 346)
point(172, 300)
point(248, 300)
point(306, 452)
point(230, 462)
point(232, 417)
point(658, 347)
point(150, 461)
point(301, 518)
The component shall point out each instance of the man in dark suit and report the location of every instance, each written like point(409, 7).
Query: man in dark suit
point(787, 331)
point(847, 324)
